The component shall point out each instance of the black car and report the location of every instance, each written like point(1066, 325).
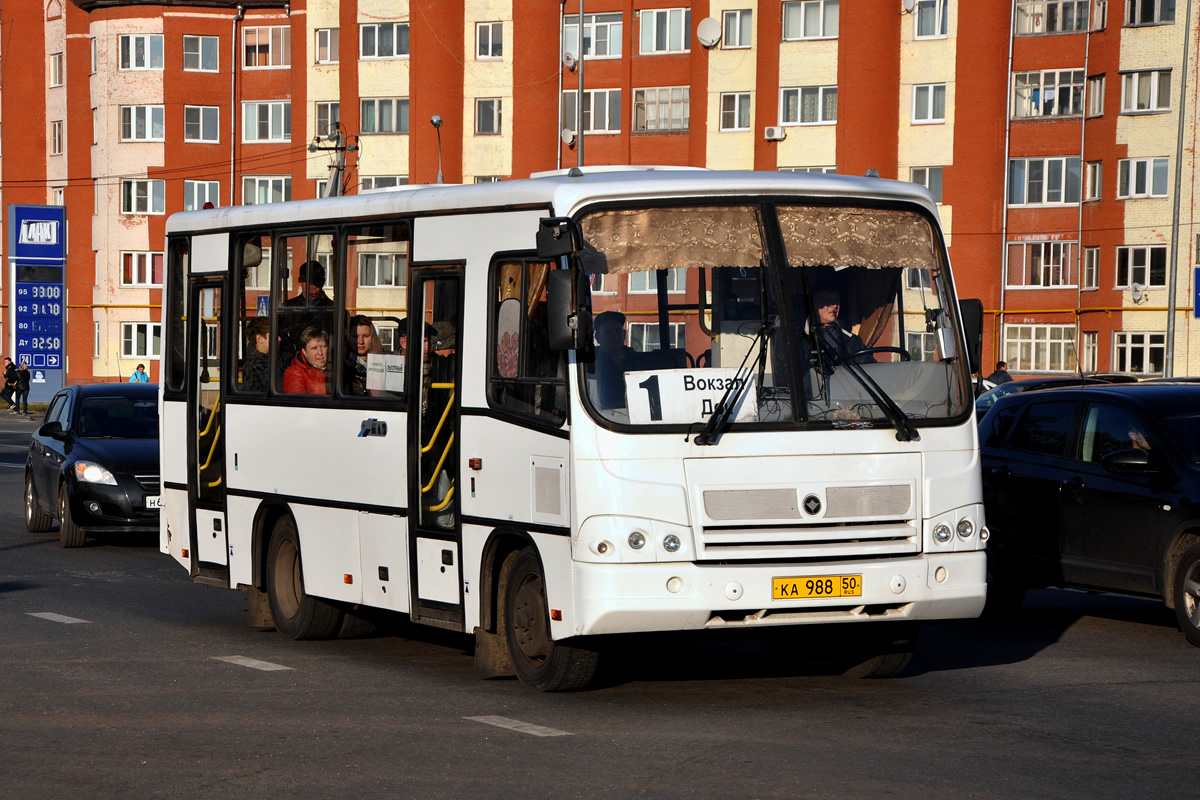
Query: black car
point(93, 464)
point(985, 400)
point(1096, 487)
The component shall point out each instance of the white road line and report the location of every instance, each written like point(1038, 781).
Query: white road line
point(50, 615)
point(13, 466)
point(518, 726)
point(252, 663)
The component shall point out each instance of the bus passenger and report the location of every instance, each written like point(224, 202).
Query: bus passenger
point(311, 278)
point(613, 358)
point(256, 368)
point(308, 373)
point(365, 340)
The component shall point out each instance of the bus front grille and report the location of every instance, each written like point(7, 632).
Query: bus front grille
point(823, 541)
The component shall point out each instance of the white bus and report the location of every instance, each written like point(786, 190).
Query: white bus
point(550, 410)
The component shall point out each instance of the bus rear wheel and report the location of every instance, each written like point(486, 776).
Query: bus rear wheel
point(297, 615)
point(538, 660)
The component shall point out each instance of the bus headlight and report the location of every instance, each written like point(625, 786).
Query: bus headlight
point(965, 528)
point(942, 533)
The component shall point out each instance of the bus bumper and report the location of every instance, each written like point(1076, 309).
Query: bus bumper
point(627, 598)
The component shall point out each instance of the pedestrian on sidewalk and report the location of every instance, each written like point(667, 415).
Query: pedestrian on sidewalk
point(22, 402)
point(139, 375)
point(10, 383)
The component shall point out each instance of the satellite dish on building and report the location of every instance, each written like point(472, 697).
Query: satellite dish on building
point(1137, 292)
point(708, 32)
point(569, 61)
point(568, 137)
point(909, 5)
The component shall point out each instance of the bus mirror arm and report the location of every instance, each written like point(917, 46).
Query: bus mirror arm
point(558, 236)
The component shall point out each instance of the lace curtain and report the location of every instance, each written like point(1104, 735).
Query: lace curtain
point(857, 237)
point(634, 240)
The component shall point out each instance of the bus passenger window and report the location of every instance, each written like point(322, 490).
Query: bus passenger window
point(305, 303)
point(527, 376)
point(371, 354)
point(254, 360)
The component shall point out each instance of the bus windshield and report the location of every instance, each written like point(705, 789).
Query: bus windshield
point(822, 316)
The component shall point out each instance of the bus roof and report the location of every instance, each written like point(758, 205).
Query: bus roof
point(563, 192)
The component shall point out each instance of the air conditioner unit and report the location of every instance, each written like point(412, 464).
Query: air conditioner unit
point(775, 133)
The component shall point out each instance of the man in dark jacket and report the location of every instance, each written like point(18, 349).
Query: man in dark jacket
point(21, 404)
point(10, 383)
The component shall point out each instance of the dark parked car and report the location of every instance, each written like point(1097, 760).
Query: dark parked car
point(1096, 487)
point(985, 400)
point(93, 464)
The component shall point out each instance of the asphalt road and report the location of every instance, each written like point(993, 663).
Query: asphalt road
point(120, 678)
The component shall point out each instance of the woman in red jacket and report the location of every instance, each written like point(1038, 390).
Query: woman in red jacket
point(308, 372)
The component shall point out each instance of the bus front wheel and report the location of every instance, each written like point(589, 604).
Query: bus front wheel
point(297, 615)
point(538, 660)
point(884, 650)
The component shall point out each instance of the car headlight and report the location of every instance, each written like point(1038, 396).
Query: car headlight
point(89, 472)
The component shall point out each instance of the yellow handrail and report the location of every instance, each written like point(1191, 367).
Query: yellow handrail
point(445, 502)
point(445, 415)
point(438, 469)
point(215, 483)
point(211, 450)
point(216, 407)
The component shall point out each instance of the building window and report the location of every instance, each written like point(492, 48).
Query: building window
point(809, 105)
point(1095, 103)
point(382, 270)
point(666, 108)
point(735, 111)
point(141, 269)
point(1041, 264)
point(1051, 16)
point(601, 35)
point(57, 195)
point(1090, 351)
point(487, 178)
point(143, 197)
point(383, 182)
point(489, 41)
point(666, 30)
point(141, 123)
point(917, 279)
point(1040, 181)
point(601, 110)
point(197, 193)
point(201, 124)
point(1142, 353)
point(327, 45)
point(328, 117)
point(920, 346)
point(810, 19)
point(1092, 184)
point(929, 103)
point(811, 170)
point(930, 178)
point(266, 48)
point(646, 282)
point(1149, 12)
point(643, 336)
point(739, 29)
point(1039, 348)
point(1054, 93)
point(56, 137)
point(1145, 265)
point(384, 115)
point(141, 339)
point(141, 51)
point(267, 121)
point(95, 55)
point(1141, 177)
point(261, 189)
point(1099, 15)
point(1091, 267)
point(1148, 90)
point(487, 116)
point(200, 54)
point(56, 69)
point(385, 40)
point(931, 18)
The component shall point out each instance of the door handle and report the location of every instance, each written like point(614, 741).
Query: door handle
point(1074, 482)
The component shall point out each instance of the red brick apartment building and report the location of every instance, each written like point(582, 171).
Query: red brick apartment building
point(1059, 136)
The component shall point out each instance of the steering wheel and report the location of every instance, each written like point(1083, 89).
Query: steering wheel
point(868, 351)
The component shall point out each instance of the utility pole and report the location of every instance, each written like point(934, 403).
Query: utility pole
point(337, 169)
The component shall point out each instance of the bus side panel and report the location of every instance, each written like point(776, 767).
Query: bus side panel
point(384, 543)
point(555, 552)
point(173, 469)
point(329, 557)
point(507, 487)
point(174, 526)
point(173, 459)
point(240, 518)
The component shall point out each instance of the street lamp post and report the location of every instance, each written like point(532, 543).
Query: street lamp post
point(436, 122)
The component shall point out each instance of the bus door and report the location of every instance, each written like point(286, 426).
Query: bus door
point(433, 464)
point(206, 416)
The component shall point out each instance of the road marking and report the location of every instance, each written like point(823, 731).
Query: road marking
point(50, 615)
point(252, 663)
point(518, 726)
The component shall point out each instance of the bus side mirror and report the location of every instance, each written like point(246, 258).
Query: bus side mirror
point(558, 236)
point(562, 317)
point(971, 312)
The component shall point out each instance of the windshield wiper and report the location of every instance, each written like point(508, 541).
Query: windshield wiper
point(905, 430)
point(719, 419)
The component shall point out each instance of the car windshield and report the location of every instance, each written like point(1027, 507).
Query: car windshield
point(692, 318)
point(115, 417)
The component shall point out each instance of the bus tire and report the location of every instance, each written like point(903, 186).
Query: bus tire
point(297, 615)
point(69, 534)
point(538, 660)
point(881, 653)
point(36, 520)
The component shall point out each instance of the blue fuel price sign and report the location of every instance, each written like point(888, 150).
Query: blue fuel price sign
point(39, 323)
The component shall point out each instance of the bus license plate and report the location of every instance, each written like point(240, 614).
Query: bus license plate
point(154, 502)
point(816, 586)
